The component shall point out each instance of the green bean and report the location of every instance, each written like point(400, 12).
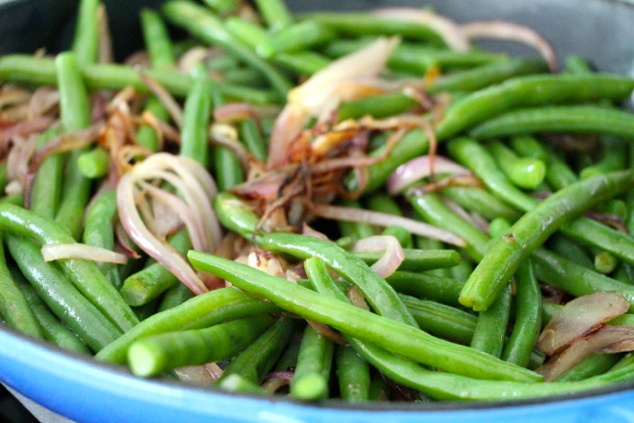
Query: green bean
point(362, 24)
point(379, 294)
point(605, 262)
point(175, 296)
point(227, 167)
point(223, 7)
point(310, 380)
point(569, 249)
point(530, 91)
point(418, 59)
point(275, 13)
point(157, 353)
point(252, 137)
point(558, 173)
point(40, 70)
point(577, 65)
point(427, 285)
point(204, 25)
point(527, 317)
point(236, 383)
point(441, 320)
point(295, 37)
point(434, 211)
point(47, 186)
point(531, 230)
point(52, 329)
point(84, 274)
point(566, 119)
point(94, 164)
point(384, 332)
point(147, 284)
point(524, 172)
point(14, 307)
point(384, 105)
point(614, 158)
point(574, 279)
point(440, 385)
point(379, 106)
point(590, 232)
point(196, 112)
point(252, 34)
point(212, 308)
point(482, 202)
point(495, 100)
point(353, 375)
point(160, 50)
point(61, 296)
point(257, 359)
point(157, 40)
point(75, 115)
point(4, 177)
point(145, 311)
point(594, 365)
point(490, 329)
point(99, 231)
point(86, 40)
point(461, 271)
point(418, 260)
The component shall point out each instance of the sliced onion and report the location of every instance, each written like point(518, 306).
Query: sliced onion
point(43, 100)
point(11, 96)
point(196, 189)
point(23, 129)
point(52, 252)
point(199, 375)
point(393, 253)
point(288, 125)
point(580, 317)
point(319, 94)
point(349, 214)
point(609, 339)
point(447, 29)
point(419, 168)
point(514, 32)
point(172, 106)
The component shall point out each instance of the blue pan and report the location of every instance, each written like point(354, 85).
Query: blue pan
point(86, 391)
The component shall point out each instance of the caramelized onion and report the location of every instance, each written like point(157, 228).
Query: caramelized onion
point(580, 317)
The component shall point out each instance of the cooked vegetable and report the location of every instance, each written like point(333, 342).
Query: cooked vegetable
point(354, 206)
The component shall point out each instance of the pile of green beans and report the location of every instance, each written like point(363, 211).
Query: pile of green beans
point(546, 206)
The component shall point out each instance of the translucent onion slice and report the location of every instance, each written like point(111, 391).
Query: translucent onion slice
point(447, 29)
point(610, 339)
point(393, 253)
point(580, 317)
point(195, 190)
point(52, 252)
point(349, 214)
point(513, 32)
point(419, 168)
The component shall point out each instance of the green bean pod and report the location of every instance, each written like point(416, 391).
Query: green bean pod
point(14, 307)
point(312, 372)
point(531, 230)
point(386, 333)
point(61, 296)
point(559, 119)
point(157, 353)
point(84, 274)
point(208, 309)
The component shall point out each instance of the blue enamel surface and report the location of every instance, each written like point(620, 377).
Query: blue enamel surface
point(85, 391)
